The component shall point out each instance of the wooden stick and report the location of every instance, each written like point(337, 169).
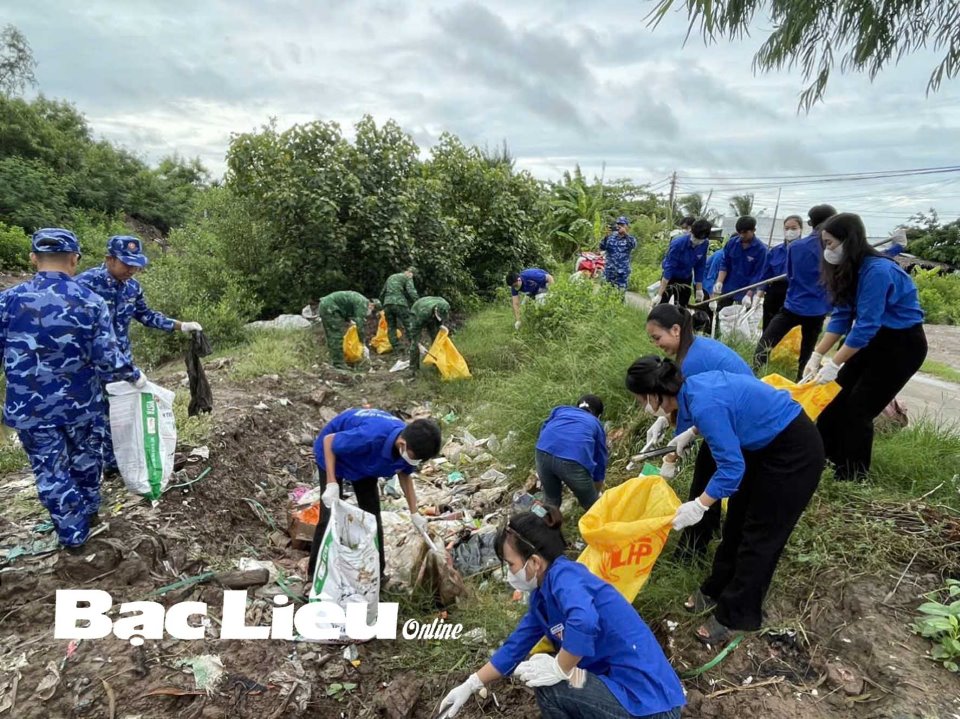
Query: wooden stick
point(732, 690)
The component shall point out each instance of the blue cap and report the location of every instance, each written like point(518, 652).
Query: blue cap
point(54, 239)
point(622, 220)
point(127, 249)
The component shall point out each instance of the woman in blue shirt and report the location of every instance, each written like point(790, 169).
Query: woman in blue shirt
point(608, 663)
point(671, 329)
point(806, 303)
point(572, 451)
point(769, 459)
point(877, 307)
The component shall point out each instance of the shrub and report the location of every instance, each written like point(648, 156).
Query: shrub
point(14, 248)
point(939, 296)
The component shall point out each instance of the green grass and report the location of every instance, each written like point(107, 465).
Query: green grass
point(941, 370)
point(192, 431)
point(275, 352)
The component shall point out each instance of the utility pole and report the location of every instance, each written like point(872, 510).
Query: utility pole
point(774, 221)
point(673, 193)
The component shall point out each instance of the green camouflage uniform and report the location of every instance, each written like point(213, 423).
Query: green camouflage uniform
point(335, 309)
point(424, 317)
point(398, 294)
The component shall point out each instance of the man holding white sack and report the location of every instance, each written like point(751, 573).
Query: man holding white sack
point(114, 282)
point(58, 350)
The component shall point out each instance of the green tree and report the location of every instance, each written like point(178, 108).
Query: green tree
point(32, 195)
point(695, 205)
point(814, 36)
point(940, 243)
point(16, 62)
point(742, 204)
point(578, 213)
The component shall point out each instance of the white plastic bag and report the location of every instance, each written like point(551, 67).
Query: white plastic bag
point(653, 290)
point(144, 436)
point(738, 320)
point(348, 563)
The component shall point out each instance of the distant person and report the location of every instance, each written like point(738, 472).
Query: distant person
point(339, 308)
point(773, 294)
point(876, 310)
point(684, 266)
point(532, 282)
point(806, 303)
point(744, 257)
point(398, 294)
point(572, 451)
point(618, 248)
point(427, 313)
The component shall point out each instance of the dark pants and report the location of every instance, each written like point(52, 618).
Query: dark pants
point(593, 701)
point(555, 472)
point(680, 289)
point(777, 485)
point(695, 539)
point(432, 326)
point(367, 492)
point(398, 318)
point(870, 379)
point(773, 300)
point(779, 326)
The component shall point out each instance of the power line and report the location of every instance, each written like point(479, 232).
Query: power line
point(785, 178)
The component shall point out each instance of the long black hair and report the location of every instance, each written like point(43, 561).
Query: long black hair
point(841, 280)
point(666, 316)
point(534, 532)
point(654, 375)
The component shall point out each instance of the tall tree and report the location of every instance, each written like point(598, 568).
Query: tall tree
point(695, 205)
point(814, 36)
point(742, 204)
point(16, 62)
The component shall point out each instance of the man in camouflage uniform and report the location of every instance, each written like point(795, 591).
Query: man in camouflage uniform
point(337, 308)
point(113, 281)
point(427, 313)
point(618, 247)
point(397, 296)
point(58, 348)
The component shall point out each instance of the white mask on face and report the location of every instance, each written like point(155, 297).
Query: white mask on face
point(697, 242)
point(834, 257)
point(661, 412)
point(519, 580)
point(405, 456)
point(791, 235)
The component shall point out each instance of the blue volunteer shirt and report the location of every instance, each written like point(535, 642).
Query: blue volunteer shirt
point(733, 413)
point(776, 264)
point(684, 260)
point(126, 302)
point(713, 270)
point(586, 616)
point(744, 266)
point(364, 445)
point(58, 350)
point(575, 434)
point(532, 282)
point(886, 297)
point(806, 295)
point(706, 355)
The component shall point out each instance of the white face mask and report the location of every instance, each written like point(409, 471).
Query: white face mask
point(519, 580)
point(658, 412)
point(834, 257)
point(405, 456)
point(791, 235)
point(697, 242)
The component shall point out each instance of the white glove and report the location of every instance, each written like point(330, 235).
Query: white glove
point(188, 327)
point(746, 301)
point(689, 514)
point(699, 295)
point(668, 470)
point(330, 493)
point(828, 373)
point(683, 441)
point(516, 325)
point(419, 521)
point(718, 288)
point(813, 366)
point(141, 381)
point(543, 670)
point(457, 697)
point(656, 431)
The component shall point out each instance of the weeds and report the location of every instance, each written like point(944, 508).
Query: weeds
point(941, 370)
point(275, 352)
point(940, 623)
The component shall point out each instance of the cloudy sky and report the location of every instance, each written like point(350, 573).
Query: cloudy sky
point(562, 81)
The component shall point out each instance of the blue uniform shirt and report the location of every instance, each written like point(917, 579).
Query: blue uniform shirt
point(365, 445)
point(532, 282)
point(886, 297)
point(707, 355)
point(713, 270)
point(733, 413)
point(58, 349)
point(126, 302)
point(575, 434)
point(776, 263)
point(618, 251)
point(806, 296)
point(684, 260)
point(744, 266)
point(586, 616)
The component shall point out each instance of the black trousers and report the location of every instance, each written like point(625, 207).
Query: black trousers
point(870, 379)
point(777, 485)
point(695, 539)
point(367, 492)
point(773, 300)
point(779, 326)
point(680, 289)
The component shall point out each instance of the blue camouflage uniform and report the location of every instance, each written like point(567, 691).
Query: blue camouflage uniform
point(618, 249)
point(125, 302)
point(58, 348)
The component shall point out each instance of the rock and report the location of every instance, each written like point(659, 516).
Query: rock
point(317, 397)
point(847, 679)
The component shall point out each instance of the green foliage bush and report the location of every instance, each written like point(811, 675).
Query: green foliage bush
point(14, 248)
point(567, 304)
point(939, 296)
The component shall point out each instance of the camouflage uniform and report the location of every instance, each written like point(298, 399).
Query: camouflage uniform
point(618, 249)
point(397, 296)
point(126, 302)
point(58, 347)
point(335, 309)
point(424, 315)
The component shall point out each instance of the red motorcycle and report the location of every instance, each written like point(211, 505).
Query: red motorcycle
point(590, 264)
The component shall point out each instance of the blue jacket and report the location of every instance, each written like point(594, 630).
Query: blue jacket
point(125, 302)
point(713, 270)
point(684, 260)
point(706, 355)
point(586, 616)
point(806, 295)
point(58, 349)
point(618, 251)
point(733, 413)
point(364, 445)
point(575, 434)
point(744, 266)
point(532, 282)
point(776, 263)
point(886, 297)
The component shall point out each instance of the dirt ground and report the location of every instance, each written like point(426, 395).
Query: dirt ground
point(854, 657)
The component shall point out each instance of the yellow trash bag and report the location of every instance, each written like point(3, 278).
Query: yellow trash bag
point(352, 347)
point(788, 349)
point(625, 531)
point(381, 340)
point(446, 357)
point(814, 398)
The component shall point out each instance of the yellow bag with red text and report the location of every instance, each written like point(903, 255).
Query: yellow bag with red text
point(381, 340)
point(352, 347)
point(788, 349)
point(813, 397)
point(447, 357)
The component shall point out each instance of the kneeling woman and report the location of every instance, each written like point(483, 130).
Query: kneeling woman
point(608, 662)
point(769, 459)
point(572, 451)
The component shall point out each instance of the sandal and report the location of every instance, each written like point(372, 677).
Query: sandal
point(698, 603)
point(713, 632)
